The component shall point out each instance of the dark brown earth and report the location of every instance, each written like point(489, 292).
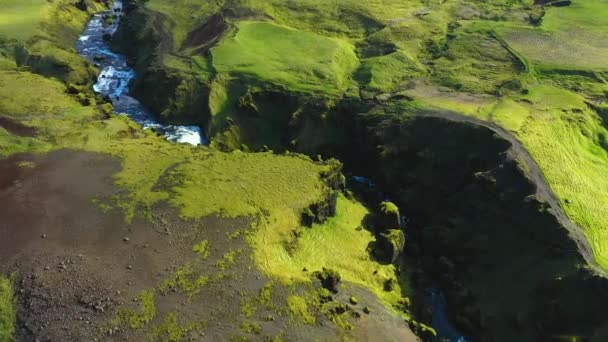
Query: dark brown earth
point(205, 36)
point(74, 266)
point(16, 128)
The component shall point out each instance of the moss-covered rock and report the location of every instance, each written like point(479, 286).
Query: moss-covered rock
point(320, 211)
point(389, 217)
point(330, 279)
point(391, 244)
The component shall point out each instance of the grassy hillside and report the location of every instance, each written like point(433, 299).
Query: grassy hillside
point(197, 182)
point(314, 76)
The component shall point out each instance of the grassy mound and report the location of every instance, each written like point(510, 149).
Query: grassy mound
point(282, 55)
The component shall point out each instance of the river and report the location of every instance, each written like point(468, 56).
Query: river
point(115, 77)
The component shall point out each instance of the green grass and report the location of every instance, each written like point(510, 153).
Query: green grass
point(336, 245)
point(565, 138)
point(233, 184)
point(171, 330)
point(264, 182)
point(384, 73)
point(475, 63)
point(571, 37)
point(184, 15)
point(21, 19)
point(137, 319)
point(299, 311)
point(186, 279)
point(7, 310)
point(283, 56)
point(202, 249)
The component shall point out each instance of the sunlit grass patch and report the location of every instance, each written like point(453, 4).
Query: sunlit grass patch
point(335, 244)
point(241, 184)
point(7, 310)
point(285, 56)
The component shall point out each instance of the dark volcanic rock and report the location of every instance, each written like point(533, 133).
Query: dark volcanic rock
point(329, 278)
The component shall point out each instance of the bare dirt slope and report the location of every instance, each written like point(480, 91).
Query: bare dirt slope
point(76, 266)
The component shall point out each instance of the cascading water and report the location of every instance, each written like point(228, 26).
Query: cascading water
point(114, 79)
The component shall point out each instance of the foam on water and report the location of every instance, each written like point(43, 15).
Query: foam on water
point(115, 76)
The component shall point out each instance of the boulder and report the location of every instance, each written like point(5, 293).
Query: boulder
point(319, 212)
point(391, 244)
point(389, 216)
point(329, 278)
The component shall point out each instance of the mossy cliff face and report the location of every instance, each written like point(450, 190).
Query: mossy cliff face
point(478, 230)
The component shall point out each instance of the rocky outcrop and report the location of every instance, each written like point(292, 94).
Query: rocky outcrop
point(330, 279)
point(556, 3)
point(389, 217)
point(391, 244)
point(320, 211)
point(206, 35)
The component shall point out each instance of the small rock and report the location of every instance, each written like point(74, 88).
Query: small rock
point(353, 300)
point(43, 236)
point(367, 310)
point(47, 268)
point(129, 267)
point(126, 239)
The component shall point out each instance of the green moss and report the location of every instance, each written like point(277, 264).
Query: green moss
point(334, 244)
point(299, 311)
point(170, 330)
point(11, 144)
point(263, 183)
point(137, 319)
point(202, 249)
point(251, 328)
point(389, 208)
point(248, 307)
point(395, 236)
point(185, 279)
point(7, 310)
point(384, 73)
point(259, 50)
point(228, 260)
point(265, 295)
